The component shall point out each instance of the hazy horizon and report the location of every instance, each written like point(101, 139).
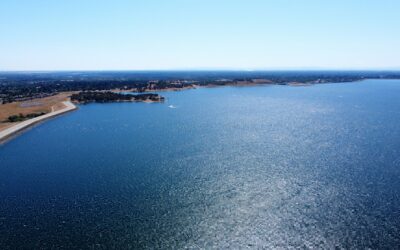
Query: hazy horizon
point(208, 70)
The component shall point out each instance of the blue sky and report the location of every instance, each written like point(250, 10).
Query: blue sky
point(199, 34)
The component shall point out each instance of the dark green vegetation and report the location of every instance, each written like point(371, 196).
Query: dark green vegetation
point(19, 86)
point(95, 96)
point(21, 117)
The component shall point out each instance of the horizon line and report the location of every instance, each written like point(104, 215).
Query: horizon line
point(201, 70)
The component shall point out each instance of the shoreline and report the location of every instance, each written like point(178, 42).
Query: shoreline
point(9, 132)
point(70, 106)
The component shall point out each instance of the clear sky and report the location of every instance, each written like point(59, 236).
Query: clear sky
point(199, 34)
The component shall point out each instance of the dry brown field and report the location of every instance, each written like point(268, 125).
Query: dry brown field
point(47, 104)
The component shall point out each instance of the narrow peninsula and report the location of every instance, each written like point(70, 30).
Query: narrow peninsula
point(108, 96)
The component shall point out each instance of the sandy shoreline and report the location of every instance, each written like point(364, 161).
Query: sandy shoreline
point(8, 132)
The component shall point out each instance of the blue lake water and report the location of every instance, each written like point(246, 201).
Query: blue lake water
point(229, 167)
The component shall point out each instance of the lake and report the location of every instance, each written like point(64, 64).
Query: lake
point(228, 167)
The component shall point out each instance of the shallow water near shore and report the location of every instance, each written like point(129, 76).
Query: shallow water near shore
point(229, 167)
